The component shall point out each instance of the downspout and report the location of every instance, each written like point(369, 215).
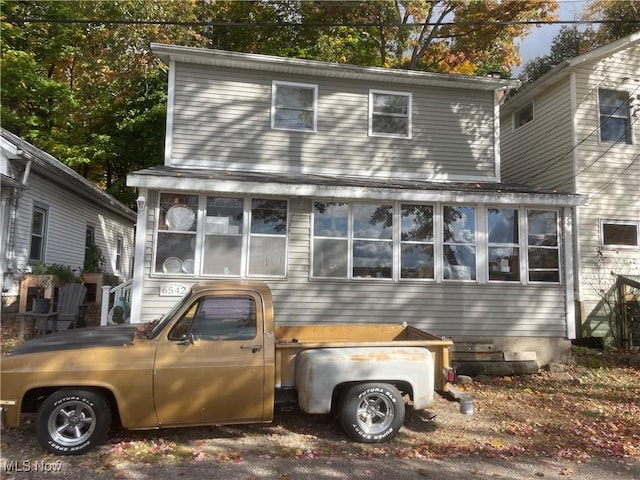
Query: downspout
point(18, 193)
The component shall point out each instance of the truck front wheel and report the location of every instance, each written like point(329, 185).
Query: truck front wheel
point(72, 422)
point(372, 412)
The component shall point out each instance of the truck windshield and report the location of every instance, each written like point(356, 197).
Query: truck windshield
point(166, 318)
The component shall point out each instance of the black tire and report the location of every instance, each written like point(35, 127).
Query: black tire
point(372, 412)
point(72, 422)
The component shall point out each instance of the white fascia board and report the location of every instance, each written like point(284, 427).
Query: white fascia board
point(350, 192)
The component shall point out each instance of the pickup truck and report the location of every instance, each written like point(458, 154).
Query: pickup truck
point(217, 357)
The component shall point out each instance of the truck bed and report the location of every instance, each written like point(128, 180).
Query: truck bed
point(290, 340)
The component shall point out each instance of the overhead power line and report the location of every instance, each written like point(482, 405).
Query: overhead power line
point(313, 24)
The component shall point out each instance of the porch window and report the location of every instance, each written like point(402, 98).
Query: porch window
point(619, 234)
point(389, 114)
point(38, 235)
point(235, 237)
point(459, 242)
point(294, 106)
point(615, 120)
point(543, 249)
point(176, 236)
point(417, 242)
point(361, 240)
point(503, 238)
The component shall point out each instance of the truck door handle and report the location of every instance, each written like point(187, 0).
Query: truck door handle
point(253, 348)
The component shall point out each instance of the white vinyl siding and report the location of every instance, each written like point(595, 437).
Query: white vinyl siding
point(68, 216)
point(222, 119)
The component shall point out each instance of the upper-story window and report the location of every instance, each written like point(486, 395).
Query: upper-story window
point(38, 235)
point(119, 245)
point(294, 106)
point(389, 114)
point(523, 116)
point(619, 234)
point(615, 119)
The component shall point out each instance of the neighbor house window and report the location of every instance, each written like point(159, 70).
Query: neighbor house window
point(523, 116)
point(503, 244)
point(119, 254)
point(389, 114)
point(294, 106)
point(236, 237)
point(622, 234)
point(543, 248)
point(459, 242)
point(615, 120)
point(38, 235)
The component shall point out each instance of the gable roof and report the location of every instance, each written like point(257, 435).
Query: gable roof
point(57, 172)
point(564, 68)
point(267, 63)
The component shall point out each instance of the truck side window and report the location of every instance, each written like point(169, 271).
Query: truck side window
point(225, 318)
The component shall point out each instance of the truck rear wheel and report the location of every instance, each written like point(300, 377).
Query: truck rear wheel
point(372, 412)
point(72, 422)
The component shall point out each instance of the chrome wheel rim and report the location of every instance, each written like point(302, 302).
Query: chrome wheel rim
point(375, 413)
point(72, 423)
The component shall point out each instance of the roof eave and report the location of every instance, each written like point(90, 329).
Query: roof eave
point(267, 63)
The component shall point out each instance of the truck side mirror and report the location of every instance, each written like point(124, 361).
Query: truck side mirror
point(185, 340)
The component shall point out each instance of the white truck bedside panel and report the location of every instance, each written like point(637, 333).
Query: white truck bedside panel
point(319, 371)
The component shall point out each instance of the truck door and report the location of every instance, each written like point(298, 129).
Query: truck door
point(209, 368)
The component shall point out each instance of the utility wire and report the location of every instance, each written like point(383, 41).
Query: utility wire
point(216, 23)
point(606, 184)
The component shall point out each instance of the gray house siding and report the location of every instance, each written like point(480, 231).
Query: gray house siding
point(605, 171)
point(541, 152)
point(221, 119)
point(448, 309)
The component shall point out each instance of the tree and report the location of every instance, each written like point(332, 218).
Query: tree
point(621, 18)
point(80, 82)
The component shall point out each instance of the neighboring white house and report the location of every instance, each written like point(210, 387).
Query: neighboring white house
point(358, 194)
point(52, 215)
point(576, 129)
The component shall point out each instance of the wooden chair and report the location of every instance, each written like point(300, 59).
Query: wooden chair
point(71, 307)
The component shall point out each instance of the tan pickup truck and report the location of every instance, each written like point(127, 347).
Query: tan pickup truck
point(217, 358)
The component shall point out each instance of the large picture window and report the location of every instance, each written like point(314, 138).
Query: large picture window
point(294, 106)
point(543, 248)
point(615, 120)
point(233, 237)
point(389, 114)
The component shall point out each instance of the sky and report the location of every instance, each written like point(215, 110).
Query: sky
point(538, 42)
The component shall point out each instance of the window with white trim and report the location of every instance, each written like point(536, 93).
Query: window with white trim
point(543, 246)
point(615, 116)
point(389, 114)
point(503, 244)
point(416, 241)
point(294, 106)
point(619, 234)
point(459, 242)
point(523, 116)
point(38, 235)
point(221, 236)
point(119, 244)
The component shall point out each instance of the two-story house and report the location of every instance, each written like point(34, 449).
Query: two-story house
point(358, 194)
point(575, 129)
point(53, 215)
